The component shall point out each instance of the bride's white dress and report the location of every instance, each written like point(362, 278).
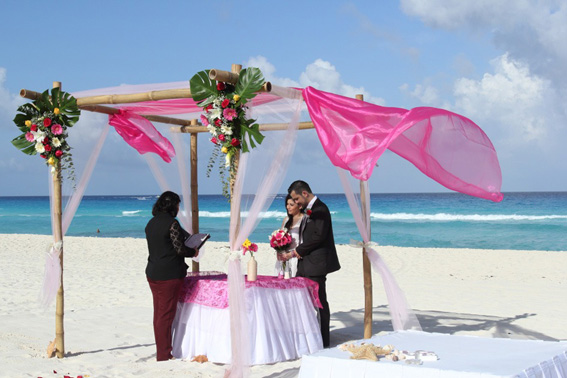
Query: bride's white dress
point(291, 263)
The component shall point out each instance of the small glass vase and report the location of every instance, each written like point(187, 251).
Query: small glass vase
point(252, 269)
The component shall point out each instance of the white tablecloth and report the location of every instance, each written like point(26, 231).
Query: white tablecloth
point(283, 326)
point(459, 356)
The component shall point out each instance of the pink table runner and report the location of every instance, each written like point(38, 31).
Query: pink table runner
point(211, 288)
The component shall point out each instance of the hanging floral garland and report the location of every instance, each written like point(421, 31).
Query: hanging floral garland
point(224, 115)
point(44, 124)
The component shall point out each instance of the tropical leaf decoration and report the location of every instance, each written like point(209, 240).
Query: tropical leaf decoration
point(224, 115)
point(44, 124)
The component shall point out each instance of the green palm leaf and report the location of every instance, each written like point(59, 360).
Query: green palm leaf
point(249, 82)
point(202, 87)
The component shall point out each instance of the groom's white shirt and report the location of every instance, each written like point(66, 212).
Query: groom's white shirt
point(310, 204)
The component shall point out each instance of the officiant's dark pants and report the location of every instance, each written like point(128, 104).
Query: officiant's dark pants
point(165, 294)
point(325, 312)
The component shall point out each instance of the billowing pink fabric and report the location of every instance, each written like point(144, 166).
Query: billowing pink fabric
point(449, 148)
point(139, 133)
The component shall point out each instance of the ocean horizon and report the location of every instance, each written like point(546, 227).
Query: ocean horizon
point(522, 221)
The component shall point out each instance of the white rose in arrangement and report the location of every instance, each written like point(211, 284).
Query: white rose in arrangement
point(56, 142)
point(226, 130)
point(39, 147)
point(38, 135)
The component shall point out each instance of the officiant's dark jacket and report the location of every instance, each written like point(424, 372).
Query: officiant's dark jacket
point(317, 249)
point(164, 261)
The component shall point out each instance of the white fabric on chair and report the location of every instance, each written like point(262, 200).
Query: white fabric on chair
point(282, 324)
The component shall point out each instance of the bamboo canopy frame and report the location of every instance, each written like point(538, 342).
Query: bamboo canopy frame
point(192, 127)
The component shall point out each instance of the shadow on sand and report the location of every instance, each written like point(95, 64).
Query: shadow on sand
point(432, 321)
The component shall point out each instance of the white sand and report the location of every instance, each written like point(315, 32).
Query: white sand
point(108, 307)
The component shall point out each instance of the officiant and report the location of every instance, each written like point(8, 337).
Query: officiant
point(166, 267)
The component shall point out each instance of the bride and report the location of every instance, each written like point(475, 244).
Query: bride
point(291, 223)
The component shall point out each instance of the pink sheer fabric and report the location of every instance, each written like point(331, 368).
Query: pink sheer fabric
point(141, 134)
point(445, 146)
point(212, 290)
point(403, 318)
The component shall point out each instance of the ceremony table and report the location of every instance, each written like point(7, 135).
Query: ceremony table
point(459, 356)
point(282, 318)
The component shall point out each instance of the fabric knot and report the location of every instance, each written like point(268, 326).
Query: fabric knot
point(361, 244)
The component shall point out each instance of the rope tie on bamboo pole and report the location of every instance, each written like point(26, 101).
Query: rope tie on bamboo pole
point(361, 244)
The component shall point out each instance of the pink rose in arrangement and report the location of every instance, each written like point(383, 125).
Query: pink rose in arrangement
point(218, 122)
point(235, 142)
point(43, 156)
point(45, 140)
point(221, 86)
point(204, 120)
point(47, 122)
point(214, 140)
point(47, 148)
point(208, 107)
point(33, 127)
point(58, 153)
point(29, 137)
point(225, 102)
point(57, 129)
point(222, 138)
point(229, 114)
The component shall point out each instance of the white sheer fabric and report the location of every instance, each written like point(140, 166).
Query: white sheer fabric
point(266, 192)
point(52, 274)
point(403, 317)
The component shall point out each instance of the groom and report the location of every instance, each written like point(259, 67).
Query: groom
point(316, 253)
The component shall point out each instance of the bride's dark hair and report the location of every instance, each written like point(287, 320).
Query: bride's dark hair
point(289, 222)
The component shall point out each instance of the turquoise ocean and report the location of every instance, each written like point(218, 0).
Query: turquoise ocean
point(529, 221)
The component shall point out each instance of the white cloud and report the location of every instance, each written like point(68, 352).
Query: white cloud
point(8, 102)
point(529, 30)
point(324, 76)
point(425, 93)
point(511, 97)
point(268, 70)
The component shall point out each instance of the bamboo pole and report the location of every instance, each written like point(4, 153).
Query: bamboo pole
point(58, 236)
point(366, 268)
point(235, 69)
point(232, 77)
point(166, 94)
point(194, 190)
point(263, 127)
point(32, 95)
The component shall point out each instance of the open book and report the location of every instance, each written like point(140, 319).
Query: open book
point(196, 241)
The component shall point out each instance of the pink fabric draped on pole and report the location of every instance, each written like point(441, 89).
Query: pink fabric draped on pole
point(141, 134)
point(449, 148)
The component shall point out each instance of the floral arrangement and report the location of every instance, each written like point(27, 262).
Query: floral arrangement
point(44, 124)
point(248, 246)
point(280, 240)
point(224, 115)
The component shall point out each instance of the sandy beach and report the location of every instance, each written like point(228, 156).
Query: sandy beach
point(108, 306)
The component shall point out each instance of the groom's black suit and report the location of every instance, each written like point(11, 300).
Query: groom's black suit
point(318, 256)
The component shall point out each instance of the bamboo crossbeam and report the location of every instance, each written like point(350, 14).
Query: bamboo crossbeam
point(166, 94)
point(263, 127)
point(232, 78)
point(109, 110)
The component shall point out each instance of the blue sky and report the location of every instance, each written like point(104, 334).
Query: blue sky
point(501, 65)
